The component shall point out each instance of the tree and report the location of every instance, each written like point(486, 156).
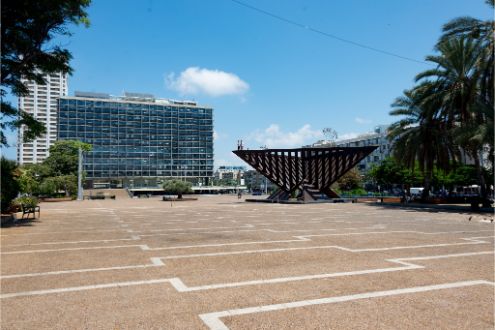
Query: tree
point(469, 46)
point(28, 51)
point(28, 183)
point(177, 187)
point(463, 175)
point(349, 181)
point(64, 157)
point(460, 103)
point(48, 187)
point(451, 108)
point(483, 31)
point(53, 185)
point(30, 177)
point(421, 138)
point(9, 186)
point(390, 172)
point(58, 173)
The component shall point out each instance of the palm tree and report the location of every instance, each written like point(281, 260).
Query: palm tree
point(452, 107)
point(458, 97)
point(469, 27)
point(483, 31)
point(421, 137)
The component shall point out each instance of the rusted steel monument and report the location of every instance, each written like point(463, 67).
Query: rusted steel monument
point(308, 171)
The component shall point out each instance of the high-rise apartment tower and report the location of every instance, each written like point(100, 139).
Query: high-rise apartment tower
point(42, 103)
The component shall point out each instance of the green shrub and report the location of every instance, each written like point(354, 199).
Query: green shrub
point(54, 186)
point(48, 187)
point(177, 187)
point(358, 192)
point(9, 186)
point(27, 201)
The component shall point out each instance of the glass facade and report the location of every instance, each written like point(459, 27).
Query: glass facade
point(140, 139)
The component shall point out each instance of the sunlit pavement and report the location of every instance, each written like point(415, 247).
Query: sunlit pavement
point(221, 263)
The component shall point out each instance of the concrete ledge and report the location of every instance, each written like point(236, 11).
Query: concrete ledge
point(7, 219)
point(52, 200)
point(440, 207)
point(320, 201)
point(175, 199)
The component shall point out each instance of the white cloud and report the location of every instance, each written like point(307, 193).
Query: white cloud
point(362, 121)
point(219, 136)
point(195, 80)
point(274, 137)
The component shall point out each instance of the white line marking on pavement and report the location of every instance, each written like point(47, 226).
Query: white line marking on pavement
point(398, 232)
point(133, 238)
point(181, 287)
point(298, 238)
point(227, 244)
point(212, 320)
point(214, 254)
point(200, 228)
point(155, 262)
point(82, 288)
point(142, 246)
point(63, 232)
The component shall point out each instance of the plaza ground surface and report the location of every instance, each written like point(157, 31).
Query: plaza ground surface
point(218, 263)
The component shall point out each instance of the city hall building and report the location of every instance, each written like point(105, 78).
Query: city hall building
point(139, 140)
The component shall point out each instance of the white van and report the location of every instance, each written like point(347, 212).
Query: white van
point(416, 192)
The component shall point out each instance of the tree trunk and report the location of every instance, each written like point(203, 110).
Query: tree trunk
point(426, 186)
point(481, 180)
point(428, 174)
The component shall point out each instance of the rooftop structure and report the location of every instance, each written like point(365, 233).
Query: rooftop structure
point(377, 138)
point(230, 172)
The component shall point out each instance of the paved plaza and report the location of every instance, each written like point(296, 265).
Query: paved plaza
point(218, 263)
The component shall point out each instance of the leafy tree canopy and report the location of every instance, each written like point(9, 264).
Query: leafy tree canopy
point(450, 111)
point(28, 51)
point(349, 181)
point(53, 185)
point(177, 187)
point(64, 157)
point(391, 172)
point(9, 187)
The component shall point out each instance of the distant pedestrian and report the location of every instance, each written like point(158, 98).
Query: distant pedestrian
point(239, 195)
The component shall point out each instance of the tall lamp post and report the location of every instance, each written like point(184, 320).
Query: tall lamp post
point(80, 196)
point(266, 180)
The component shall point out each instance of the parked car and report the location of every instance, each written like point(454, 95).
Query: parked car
point(257, 192)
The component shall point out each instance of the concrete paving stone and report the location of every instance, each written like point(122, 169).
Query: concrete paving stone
point(463, 308)
point(220, 255)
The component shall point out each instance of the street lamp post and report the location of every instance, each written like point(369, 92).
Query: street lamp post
point(79, 177)
point(266, 180)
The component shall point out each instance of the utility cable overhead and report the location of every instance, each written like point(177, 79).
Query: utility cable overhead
point(323, 33)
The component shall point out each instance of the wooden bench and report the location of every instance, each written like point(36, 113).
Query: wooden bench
point(27, 210)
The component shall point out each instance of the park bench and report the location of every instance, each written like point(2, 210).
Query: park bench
point(27, 210)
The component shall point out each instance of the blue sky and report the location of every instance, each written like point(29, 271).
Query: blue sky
point(270, 83)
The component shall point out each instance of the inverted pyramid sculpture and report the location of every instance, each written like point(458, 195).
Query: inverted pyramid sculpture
point(311, 171)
